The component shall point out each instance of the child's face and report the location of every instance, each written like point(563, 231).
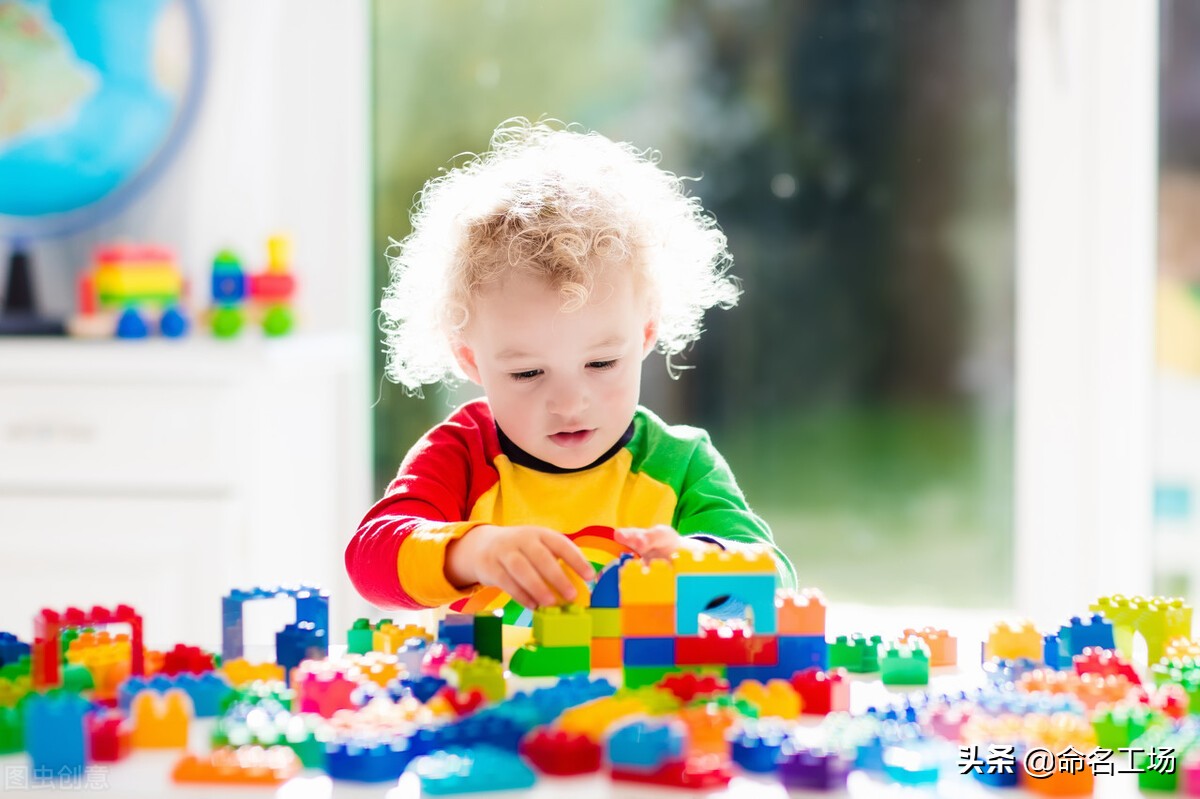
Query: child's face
point(562, 385)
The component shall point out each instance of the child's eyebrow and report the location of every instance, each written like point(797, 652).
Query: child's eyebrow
point(514, 354)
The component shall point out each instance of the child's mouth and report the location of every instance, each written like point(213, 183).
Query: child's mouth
point(573, 438)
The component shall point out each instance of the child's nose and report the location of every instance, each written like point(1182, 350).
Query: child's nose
point(568, 400)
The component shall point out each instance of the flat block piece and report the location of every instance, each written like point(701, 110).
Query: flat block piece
point(243, 765)
point(649, 651)
point(607, 653)
point(374, 762)
point(606, 622)
point(570, 625)
point(647, 745)
point(943, 647)
point(647, 583)
point(735, 649)
point(696, 592)
point(800, 612)
point(647, 621)
point(749, 559)
point(532, 660)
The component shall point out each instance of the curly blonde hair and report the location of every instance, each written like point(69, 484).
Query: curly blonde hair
point(559, 202)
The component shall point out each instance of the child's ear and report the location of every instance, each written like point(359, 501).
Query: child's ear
point(649, 337)
point(466, 361)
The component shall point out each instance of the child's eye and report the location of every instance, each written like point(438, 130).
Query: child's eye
point(522, 377)
point(603, 364)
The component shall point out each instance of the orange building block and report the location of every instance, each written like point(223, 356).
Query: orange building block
point(241, 672)
point(389, 638)
point(607, 653)
point(245, 765)
point(706, 728)
point(1014, 640)
point(161, 722)
point(943, 647)
point(647, 621)
point(799, 612)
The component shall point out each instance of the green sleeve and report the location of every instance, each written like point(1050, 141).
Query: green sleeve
point(710, 503)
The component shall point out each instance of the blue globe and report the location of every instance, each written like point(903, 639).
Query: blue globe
point(94, 97)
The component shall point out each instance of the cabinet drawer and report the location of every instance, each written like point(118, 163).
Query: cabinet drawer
point(95, 437)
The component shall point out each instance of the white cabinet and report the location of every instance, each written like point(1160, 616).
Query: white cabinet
point(160, 474)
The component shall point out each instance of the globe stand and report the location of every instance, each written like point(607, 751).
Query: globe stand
point(19, 315)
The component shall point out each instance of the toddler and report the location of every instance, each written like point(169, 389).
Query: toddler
point(545, 271)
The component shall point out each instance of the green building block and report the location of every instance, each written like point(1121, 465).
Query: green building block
point(13, 688)
point(76, 678)
point(905, 663)
point(606, 622)
point(856, 653)
point(12, 731)
point(489, 635)
point(562, 626)
point(532, 660)
point(484, 673)
point(658, 701)
point(360, 637)
point(639, 676)
point(1117, 727)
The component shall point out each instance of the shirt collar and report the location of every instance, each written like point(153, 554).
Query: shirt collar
point(523, 458)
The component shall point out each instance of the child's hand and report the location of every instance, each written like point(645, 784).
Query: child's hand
point(659, 541)
point(521, 561)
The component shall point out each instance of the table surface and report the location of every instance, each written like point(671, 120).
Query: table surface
point(147, 773)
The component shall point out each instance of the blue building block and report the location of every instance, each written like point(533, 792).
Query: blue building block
point(12, 649)
point(649, 651)
point(695, 592)
point(606, 593)
point(503, 732)
point(422, 688)
point(312, 606)
point(133, 686)
point(914, 763)
point(55, 735)
point(798, 652)
point(757, 749)
point(736, 675)
point(457, 628)
point(368, 761)
point(646, 745)
point(1078, 634)
point(298, 642)
point(208, 691)
point(471, 770)
point(1054, 653)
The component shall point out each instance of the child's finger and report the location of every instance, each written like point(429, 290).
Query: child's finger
point(572, 555)
point(552, 573)
point(526, 576)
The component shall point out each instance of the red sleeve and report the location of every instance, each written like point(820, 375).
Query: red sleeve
point(439, 481)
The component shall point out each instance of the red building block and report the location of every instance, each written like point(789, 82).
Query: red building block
point(697, 774)
point(46, 650)
point(324, 694)
point(109, 736)
point(186, 660)
point(727, 647)
point(687, 685)
point(561, 753)
point(461, 702)
point(1104, 662)
point(822, 691)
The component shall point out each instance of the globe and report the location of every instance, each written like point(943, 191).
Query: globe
point(95, 96)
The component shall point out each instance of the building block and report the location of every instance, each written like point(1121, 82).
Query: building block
point(1012, 640)
point(607, 653)
point(312, 606)
point(855, 653)
point(688, 685)
point(814, 770)
point(707, 728)
point(1078, 634)
point(750, 559)
point(639, 676)
point(800, 612)
point(647, 745)
point(12, 731)
point(13, 688)
point(207, 691)
point(451, 701)
point(298, 642)
point(1054, 653)
point(55, 735)
point(756, 748)
point(12, 649)
point(905, 663)
point(244, 765)
point(161, 722)
point(649, 652)
point(561, 753)
point(565, 626)
point(725, 647)
point(776, 698)
point(457, 628)
point(48, 626)
point(421, 688)
point(647, 583)
point(1095, 660)
point(606, 593)
point(697, 591)
point(943, 647)
point(368, 762)
point(606, 622)
point(471, 770)
point(532, 660)
point(186, 659)
point(483, 673)
point(647, 621)
point(390, 639)
point(801, 652)
point(110, 736)
point(1119, 726)
point(489, 635)
point(439, 656)
point(360, 637)
point(240, 672)
point(822, 692)
point(324, 693)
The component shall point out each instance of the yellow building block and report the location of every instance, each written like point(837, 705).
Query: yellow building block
point(389, 638)
point(241, 672)
point(777, 698)
point(594, 718)
point(751, 559)
point(161, 722)
point(606, 622)
point(1014, 639)
point(569, 625)
point(647, 583)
